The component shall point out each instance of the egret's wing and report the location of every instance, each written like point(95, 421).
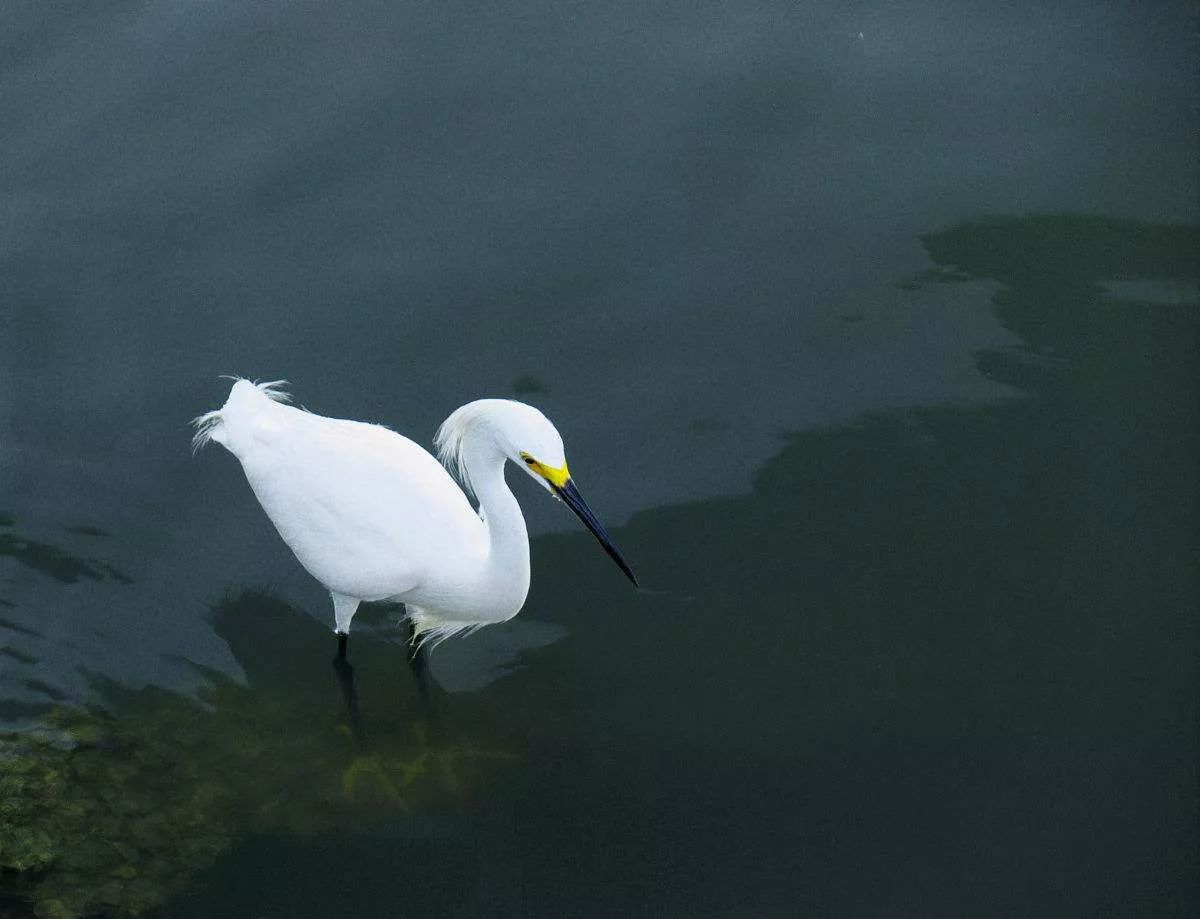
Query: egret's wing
point(366, 510)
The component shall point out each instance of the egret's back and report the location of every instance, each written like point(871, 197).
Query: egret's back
point(368, 512)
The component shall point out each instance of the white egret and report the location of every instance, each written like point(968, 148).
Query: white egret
point(373, 516)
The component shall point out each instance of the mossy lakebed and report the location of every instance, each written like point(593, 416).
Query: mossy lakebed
point(111, 811)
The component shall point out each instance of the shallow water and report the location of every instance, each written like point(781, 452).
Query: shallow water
point(910, 487)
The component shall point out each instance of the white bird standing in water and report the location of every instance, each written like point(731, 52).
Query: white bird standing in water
point(373, 516)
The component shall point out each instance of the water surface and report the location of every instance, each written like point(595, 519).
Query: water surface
point(909, 485)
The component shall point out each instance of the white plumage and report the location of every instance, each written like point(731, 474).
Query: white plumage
point(373, 516)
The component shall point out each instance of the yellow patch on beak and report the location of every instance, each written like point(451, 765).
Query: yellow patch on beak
point(556, 477)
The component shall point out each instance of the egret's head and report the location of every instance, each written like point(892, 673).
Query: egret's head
point(530, 440)
point(524, 435)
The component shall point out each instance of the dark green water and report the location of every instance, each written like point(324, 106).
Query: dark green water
point(938, 661)
point(910, 487)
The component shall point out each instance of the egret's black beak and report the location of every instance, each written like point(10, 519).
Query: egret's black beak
point(574, 500)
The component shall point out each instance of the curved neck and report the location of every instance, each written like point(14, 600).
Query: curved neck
point(507, 570)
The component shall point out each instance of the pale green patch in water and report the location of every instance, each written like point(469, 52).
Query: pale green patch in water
point(113, 811)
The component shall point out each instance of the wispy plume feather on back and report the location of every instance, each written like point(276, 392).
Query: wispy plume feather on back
point(208, 425)
point(205, 424)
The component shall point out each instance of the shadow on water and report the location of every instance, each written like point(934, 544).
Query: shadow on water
point(880, 568)
point(113, 811)
point(54, 561)
point(938, 662)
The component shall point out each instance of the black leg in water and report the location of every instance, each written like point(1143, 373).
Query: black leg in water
point(418, 663)
point(345, 675)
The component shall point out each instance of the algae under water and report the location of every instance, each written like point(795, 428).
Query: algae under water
point(113, 810)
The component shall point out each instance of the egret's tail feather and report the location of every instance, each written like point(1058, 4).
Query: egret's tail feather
point(210, 425)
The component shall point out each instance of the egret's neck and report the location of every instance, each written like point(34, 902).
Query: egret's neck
point(506, 574)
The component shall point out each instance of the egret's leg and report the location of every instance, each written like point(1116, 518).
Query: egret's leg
point(345, 675)
point(418, 662)
point(344, 609)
